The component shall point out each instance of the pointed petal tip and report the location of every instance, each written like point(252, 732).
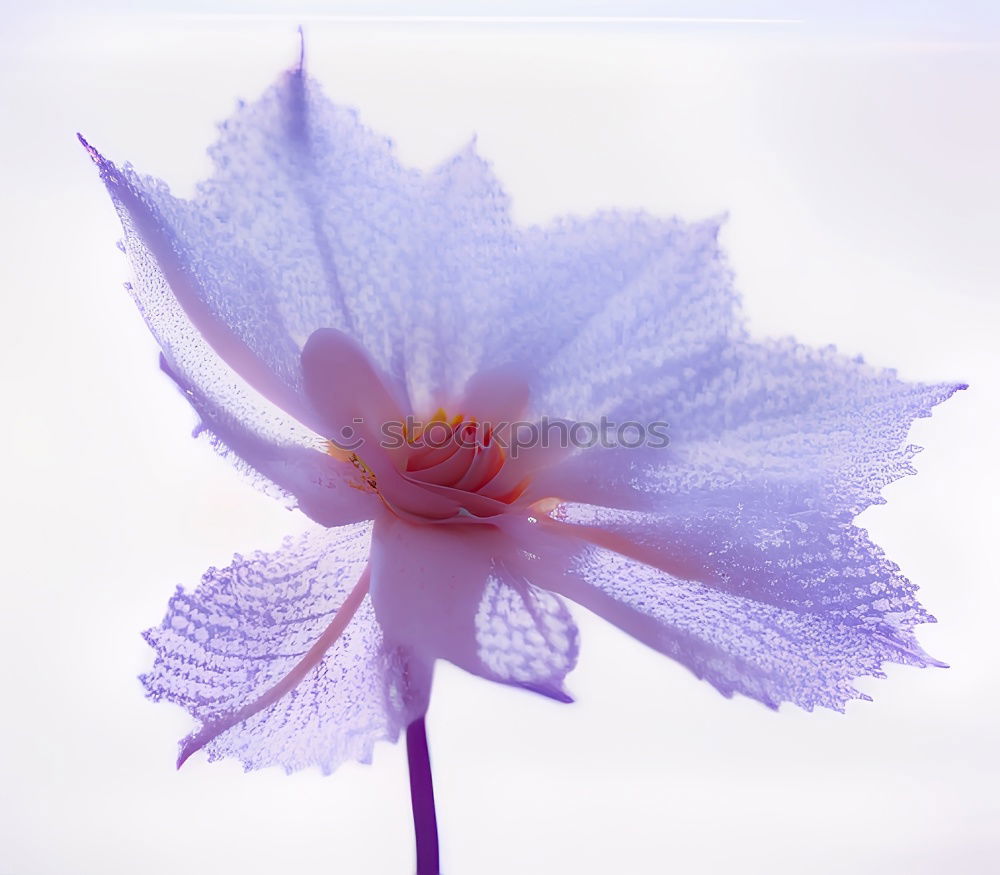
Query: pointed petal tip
point(188, 746)
point(555, 693)
point(946, 391)
point(94, 154)
point(466, 155)
point(301, 65)
point(108, 171)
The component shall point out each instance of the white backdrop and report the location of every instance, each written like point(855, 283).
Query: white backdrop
point(859, 169)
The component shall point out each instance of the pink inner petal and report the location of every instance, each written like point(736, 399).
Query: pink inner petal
point(503, 392)
point(519, 467)
point(346, 389)
point(427, 456)
point(449, 471)
point(673, 562)
point(489, 460)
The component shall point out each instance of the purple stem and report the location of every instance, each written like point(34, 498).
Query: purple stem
point(422, 799)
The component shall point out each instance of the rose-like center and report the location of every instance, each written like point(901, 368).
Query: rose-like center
point(453, 469)
point(463, 459)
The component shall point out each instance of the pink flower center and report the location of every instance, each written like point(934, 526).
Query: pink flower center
point(458, 453)
point(449, 469)
point(451, 456)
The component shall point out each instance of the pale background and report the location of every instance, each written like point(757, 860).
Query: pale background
point(857, 157)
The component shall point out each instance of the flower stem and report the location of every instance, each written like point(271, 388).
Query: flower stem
point(422, 799)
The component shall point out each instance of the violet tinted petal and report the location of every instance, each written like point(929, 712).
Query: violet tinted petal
point(739, 645)
point(312, 219)
point(782, 416)
point(463, 279)
point(658, 290)
point(737, 410)
point(804, 562)
point(449, 594)
point(562, 276)
point(297, 474)
point(246, 626)
point(201, 341)
point(525, 635)
point(309, 223)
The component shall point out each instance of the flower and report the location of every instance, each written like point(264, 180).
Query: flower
point(315, 292)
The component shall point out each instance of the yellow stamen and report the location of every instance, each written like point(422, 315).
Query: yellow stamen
point(341, 455)
point(440, 415)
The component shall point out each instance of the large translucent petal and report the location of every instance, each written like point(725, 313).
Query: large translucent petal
point(246, 626)
point(667, 345)
point(805, 562)
point(736, 642)
point(451, 592)
point(301, 473)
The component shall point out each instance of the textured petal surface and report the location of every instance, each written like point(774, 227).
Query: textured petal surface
point(298, 473)
point(451, 593)
point(525, 635)
point(737, 644)
point(274, 448)
point(783, 417)
point(668, 345)
point(656, 290)
point(247, 625)
point(803, 562)
point(309, 222)
point(732, 549)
